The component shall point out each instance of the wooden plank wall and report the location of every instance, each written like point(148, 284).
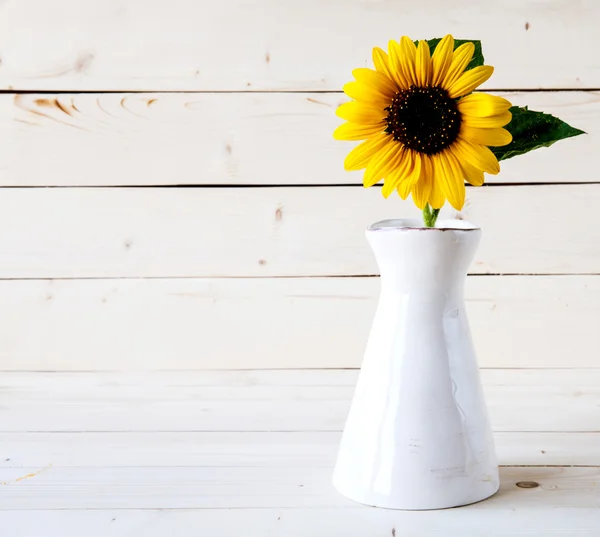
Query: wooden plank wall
point(199, 215)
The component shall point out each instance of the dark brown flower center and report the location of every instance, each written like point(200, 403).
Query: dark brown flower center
point(424, 119)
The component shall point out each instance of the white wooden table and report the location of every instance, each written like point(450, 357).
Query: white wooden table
point(221, 454)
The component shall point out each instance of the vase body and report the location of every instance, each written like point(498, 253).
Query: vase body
point(418, 435)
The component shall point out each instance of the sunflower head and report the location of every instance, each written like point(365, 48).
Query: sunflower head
point(423, 131)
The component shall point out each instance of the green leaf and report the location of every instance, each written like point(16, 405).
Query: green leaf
point(531, 130)
point(477, 59)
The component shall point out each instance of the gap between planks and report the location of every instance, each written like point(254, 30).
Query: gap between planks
point(270, 431)
point(280, 277)
point(286, 185)
point(26, 91)
point(254, 370)
point(163, 466)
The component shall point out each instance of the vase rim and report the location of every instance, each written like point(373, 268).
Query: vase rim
point(414, 224)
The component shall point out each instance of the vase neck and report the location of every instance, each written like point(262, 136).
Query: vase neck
point(423, 258)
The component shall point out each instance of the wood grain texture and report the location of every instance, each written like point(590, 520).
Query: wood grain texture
point(266, 44)
point(254, 449)
point(181, 280)
point(518, 400)
point(217, 232)
point(501, 516)
point(224, 483)
point(227, 139)
point(141, 324)
point(250, 488)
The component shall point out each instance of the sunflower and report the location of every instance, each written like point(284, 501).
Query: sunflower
point(424, 132)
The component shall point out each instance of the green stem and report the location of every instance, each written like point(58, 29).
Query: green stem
point(430, 215)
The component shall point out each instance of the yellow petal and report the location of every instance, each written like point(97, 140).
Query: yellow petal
point(423, 64)
point(470, 80)
point(396, 65)
point(352, 131)
point(395, 161)
point(382, 63)
point(376, 80)
point(407, 184)
point(478, 156)
point(366, 94)
point(489, 122)
point(359, 157)
point(408, 53)
point(460, 59)
point(493, 137)
point(357, 112)
point(482, 105)
point(452, 180)
point(379, 165)
point(441, 59)
point(472, 174)
point(422, 188)
point(402, 167)
point(436, 198)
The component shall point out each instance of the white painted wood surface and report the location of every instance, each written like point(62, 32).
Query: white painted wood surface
point(277, 483)
point(268, 44)
point(291, 231)
point(186, 451)
point(226, 139)
point(183, 487)
point(501, 516)
point(186, 323)
point(254, 449)
point(301, 400)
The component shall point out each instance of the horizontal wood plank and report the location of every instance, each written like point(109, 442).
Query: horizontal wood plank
point(204, 401)
point(501, 516)
point(225, 139)
point(186, 323)
point(254, 449)
point(263, 44)
point(254, 488)
point(218, 232)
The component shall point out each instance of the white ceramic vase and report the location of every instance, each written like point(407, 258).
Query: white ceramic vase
point(418, 435)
